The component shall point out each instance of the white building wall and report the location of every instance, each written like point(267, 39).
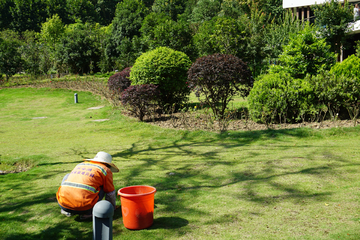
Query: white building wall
point(301, 3)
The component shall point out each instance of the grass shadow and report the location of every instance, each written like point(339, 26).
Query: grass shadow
point(56, 232)
point(169, 223)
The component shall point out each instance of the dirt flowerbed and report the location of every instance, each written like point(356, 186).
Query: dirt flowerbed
point(195, 122)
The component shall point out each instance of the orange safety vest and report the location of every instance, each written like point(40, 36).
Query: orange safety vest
point(80, 191)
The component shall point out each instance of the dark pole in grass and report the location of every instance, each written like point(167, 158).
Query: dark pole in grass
point(76, 97)
point(102, 220)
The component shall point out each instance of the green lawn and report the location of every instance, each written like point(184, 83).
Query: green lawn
point(285, 184)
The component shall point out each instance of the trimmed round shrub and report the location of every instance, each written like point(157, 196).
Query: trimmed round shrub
point(140, 99)
point(280, 98)
point(165, 68)
point(350, 67)
point(120, 81)
point(219, 77)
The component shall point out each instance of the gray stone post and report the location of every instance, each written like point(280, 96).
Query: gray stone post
point(103, 212)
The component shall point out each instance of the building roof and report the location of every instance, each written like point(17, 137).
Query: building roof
point(301, 3)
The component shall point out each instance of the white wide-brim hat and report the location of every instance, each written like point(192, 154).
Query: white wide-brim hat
point(104, 158)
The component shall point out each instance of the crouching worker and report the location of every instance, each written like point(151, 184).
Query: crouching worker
point(87, 184)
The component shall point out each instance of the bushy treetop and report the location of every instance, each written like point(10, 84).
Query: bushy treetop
point(306, 53)
point(166, 68)
point(220, 77)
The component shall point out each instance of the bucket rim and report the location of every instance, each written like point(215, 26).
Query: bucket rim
point(136, 195)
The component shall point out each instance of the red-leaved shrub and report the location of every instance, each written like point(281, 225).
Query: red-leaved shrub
point(141, 100)
point(219, 77)
point(119, 81)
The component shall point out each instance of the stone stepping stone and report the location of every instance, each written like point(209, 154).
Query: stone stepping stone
point(92, 108)
point(39, 117)
point(100, 120)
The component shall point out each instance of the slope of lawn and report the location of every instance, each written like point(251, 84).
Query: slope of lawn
point(286, 184)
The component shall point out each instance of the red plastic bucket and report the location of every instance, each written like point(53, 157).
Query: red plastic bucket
point(137, 206)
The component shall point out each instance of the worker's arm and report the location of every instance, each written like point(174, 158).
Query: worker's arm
point(111, 197)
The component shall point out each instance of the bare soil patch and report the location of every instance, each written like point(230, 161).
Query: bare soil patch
point(195, 122)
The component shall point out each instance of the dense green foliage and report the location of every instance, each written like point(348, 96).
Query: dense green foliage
point(305, 54)
point(219, 78)
point(165, 68)
point(205, 10)
point(77, 50)
point(337, 93)
point(278, 35)
point(241, 36)
point(333, 18)
point(20, 15)
point(10, 59)
point(31, 53)
point(280, 98)
point(121, 31)
point(122, 43)
point(132, 27)
point(350, 67)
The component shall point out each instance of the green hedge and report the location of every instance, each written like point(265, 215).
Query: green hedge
point(336, 93)
point(350, 67)
point(280, 98)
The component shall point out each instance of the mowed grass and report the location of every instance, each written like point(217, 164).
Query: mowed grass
point(287, 184)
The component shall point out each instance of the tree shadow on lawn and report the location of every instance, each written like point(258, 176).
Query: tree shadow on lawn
point(200, 157)
point(207, 157)
point(32, 207)
point(169, 223)
point(60, 163)
point(37, 212)
point(59, 231)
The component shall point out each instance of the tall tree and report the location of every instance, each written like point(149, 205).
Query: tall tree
point(173, 8)
point(305, 54)
point(50, 35)
point(205, 10)
point(59, 7)
point(5, 15)
point(10, 57)
point(278, 35)
point(51, 31)
point(333, 18)
point(83, 10)
point(31, 53)
point(28, 15)
point(79, 48)
point(125, 32)
point(159, 30)
point(105, 10)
